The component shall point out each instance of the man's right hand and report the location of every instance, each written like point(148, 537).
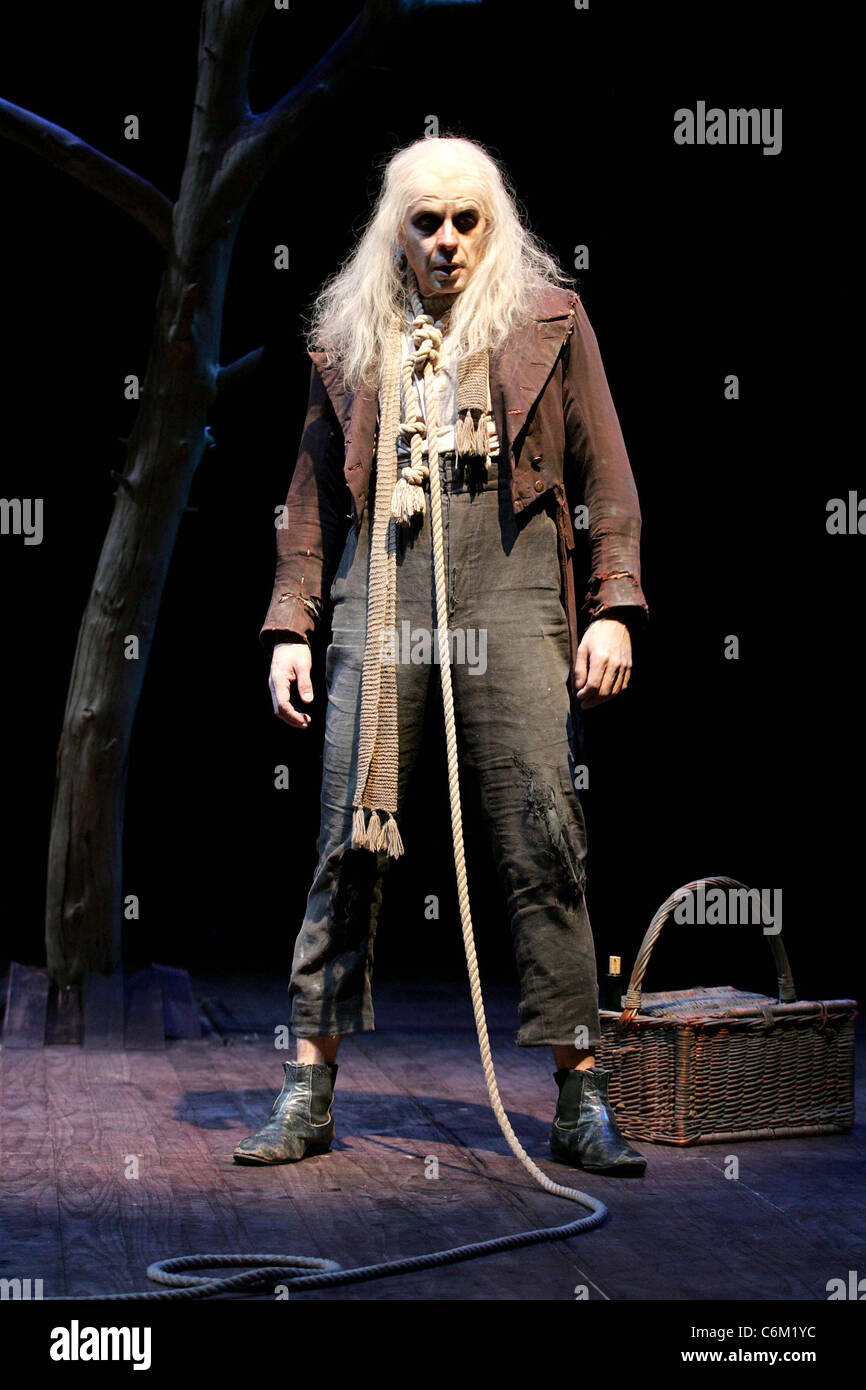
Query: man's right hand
point(291, 661)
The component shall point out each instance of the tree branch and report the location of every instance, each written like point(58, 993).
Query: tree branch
point(240, 369)
point(262, 139)
point(275, 127)
point(228, 31)
point(259, 139)
point(89, 166)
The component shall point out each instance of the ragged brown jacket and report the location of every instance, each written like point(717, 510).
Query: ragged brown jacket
point(558, 430)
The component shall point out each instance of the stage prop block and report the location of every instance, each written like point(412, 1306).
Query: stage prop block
point(108, 1014)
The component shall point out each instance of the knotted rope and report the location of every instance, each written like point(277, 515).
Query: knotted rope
point(408, 496)
point(399, 496)
point(475, 434)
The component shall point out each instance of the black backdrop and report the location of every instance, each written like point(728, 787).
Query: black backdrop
point(703, 262)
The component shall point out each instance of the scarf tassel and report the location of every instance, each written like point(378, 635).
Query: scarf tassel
point(376, 835)
point(476, 433)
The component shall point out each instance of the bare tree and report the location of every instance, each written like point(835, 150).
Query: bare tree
point(230, 150)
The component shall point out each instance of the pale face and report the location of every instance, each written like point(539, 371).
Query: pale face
point(443, 231)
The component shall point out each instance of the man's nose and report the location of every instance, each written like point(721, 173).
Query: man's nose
point(448, 236)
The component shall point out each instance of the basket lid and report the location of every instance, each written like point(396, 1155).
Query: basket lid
point(700, 1000)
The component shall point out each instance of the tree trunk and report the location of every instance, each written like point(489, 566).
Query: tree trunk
point(229, 151)
point(84, 906)
point(84, 898)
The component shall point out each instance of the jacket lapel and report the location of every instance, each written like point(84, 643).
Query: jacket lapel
point(356, 413)
point(518, 375)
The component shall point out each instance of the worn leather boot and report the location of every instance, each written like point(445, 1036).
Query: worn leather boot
point(300, 1122)
point(584, 1131)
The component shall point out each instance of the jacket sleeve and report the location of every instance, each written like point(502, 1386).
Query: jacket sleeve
point(313, 527)
point(595, 444)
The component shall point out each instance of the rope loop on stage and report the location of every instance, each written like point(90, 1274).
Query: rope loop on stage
point(269, 1271)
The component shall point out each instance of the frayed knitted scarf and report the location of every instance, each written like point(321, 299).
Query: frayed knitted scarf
point(399, 496)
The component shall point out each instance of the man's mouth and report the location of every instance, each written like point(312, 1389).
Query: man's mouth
point(445, 269)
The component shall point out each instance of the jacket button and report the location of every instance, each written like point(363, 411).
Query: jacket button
point(539, 485)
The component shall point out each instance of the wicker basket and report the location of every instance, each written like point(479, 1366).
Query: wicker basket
point(698, 1066)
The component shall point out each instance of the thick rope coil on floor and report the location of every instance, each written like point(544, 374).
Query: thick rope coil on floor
point(266, 1271)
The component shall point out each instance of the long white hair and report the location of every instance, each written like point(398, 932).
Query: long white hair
point(355, 307)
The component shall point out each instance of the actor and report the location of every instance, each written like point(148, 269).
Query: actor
point(450, 339)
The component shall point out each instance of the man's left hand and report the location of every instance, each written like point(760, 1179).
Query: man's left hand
point(603, 667)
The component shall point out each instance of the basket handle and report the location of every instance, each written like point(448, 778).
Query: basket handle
point(632, 998)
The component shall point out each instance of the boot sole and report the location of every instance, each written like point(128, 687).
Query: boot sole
point(633, 1170)
point(250, 1160)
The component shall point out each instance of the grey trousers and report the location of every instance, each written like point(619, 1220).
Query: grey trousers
point(510, 656)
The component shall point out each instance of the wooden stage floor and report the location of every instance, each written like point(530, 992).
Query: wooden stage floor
point(73, 1214)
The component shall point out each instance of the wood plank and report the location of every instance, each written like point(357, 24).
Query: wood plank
point(328, 1215)
point(144, 1028)
point(94, 1255)
point(30, 1246)
point(26, 1007)
point(331, 1213)
point(103, 1010)
point(80, 1214)
point(187, 1101)
point(150, 1215)
point(389, 1206)
point(24, 1128)
point(221, 1090)
point(64, 1023)
point(740, 1247)
point(227, 1023)
point(114, 1113)
point(180, 1012)
point(449, 1082)
point(487, 1193)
